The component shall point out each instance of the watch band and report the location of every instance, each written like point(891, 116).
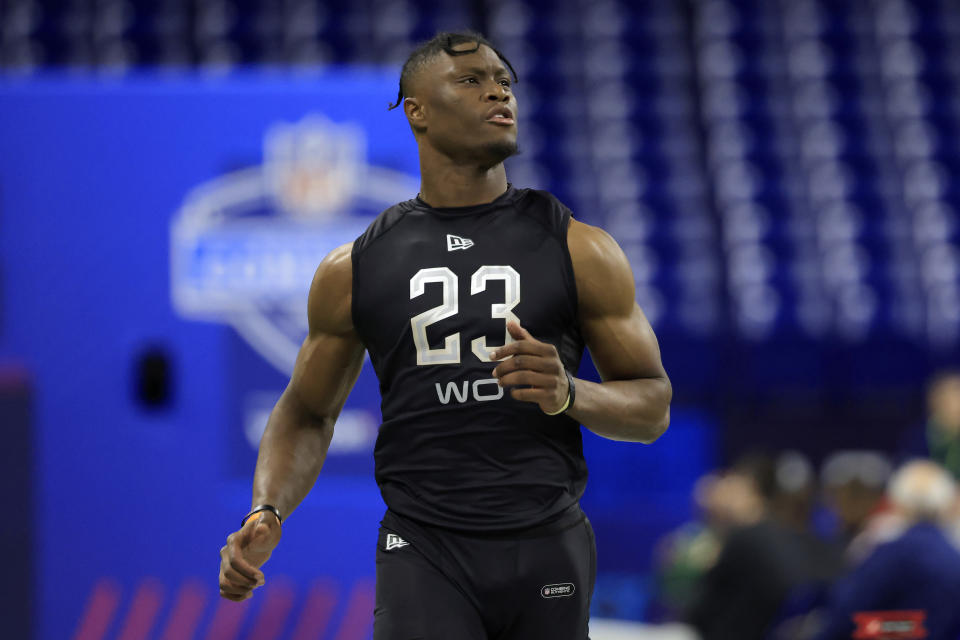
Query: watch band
point(571, 396)
point(258, 509)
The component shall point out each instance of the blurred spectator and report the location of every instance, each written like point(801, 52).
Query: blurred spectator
point(854, 484)
point(792, 505)
point(795, 491)
point(684, 555)
point(917, 572)
point(763, 560)
point(939, 438)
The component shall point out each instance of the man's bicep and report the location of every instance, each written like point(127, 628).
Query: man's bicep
point(623, 347)
point(330, 358)
point(619, 336)
point(326, 370)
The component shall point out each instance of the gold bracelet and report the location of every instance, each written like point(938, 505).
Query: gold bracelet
point(561, 409)
point(571, 395)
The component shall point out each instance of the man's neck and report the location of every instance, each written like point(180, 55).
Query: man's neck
point(443, 183)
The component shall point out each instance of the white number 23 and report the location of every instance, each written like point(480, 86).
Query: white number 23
point(449, 353)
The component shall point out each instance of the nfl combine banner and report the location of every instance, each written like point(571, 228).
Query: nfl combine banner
point(245, 244)
point(182, 216)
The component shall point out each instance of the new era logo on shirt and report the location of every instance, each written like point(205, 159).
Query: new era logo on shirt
point(456, 242)
point(395, 542)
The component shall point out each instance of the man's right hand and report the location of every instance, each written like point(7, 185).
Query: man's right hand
point(245, 552)
point(298, 432)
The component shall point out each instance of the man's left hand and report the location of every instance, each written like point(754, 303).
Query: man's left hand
point(534, 364)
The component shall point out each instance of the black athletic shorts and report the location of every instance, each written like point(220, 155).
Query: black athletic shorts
point(435, 584)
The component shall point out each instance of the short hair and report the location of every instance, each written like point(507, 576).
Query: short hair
point(940, 377)
point(445, 41)
point(760, 468)
point(923, 489)
point(868, 469)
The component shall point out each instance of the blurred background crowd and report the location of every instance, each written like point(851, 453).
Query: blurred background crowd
point(783, 175)
point(781, 551)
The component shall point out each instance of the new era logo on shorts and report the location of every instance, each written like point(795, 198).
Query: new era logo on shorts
point(395, 542)
point(561, 590)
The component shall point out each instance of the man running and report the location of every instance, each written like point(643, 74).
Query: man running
point(474, 300)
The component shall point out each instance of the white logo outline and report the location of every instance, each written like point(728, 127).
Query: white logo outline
point(311, 212)
point(558, 590)
point(394, 542)
point(458, 242)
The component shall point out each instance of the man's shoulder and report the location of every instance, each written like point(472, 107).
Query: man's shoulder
point(545, 207)
point(528, 197)
point(933, 537)
point(922, 547)
point(382, 224)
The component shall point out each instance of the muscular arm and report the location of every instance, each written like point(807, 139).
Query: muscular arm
point(294, 444)
point(633, 401)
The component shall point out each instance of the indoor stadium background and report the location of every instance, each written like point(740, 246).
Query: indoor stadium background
point(784, 176)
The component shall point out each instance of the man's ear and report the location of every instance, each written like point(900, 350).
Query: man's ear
point(416, 113)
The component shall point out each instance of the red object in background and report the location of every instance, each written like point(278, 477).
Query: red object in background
point(13, 376)
point(889, 625)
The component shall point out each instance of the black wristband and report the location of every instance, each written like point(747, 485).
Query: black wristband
point(571, 396)
point(573, 391)
point(258, 509)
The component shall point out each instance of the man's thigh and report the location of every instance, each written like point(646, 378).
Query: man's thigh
point(415, 601)
point(554, 587)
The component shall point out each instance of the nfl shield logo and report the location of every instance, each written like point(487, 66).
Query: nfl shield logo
point(244, 245)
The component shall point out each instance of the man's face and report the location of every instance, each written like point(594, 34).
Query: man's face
point(944, 404)
point(467, 107)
